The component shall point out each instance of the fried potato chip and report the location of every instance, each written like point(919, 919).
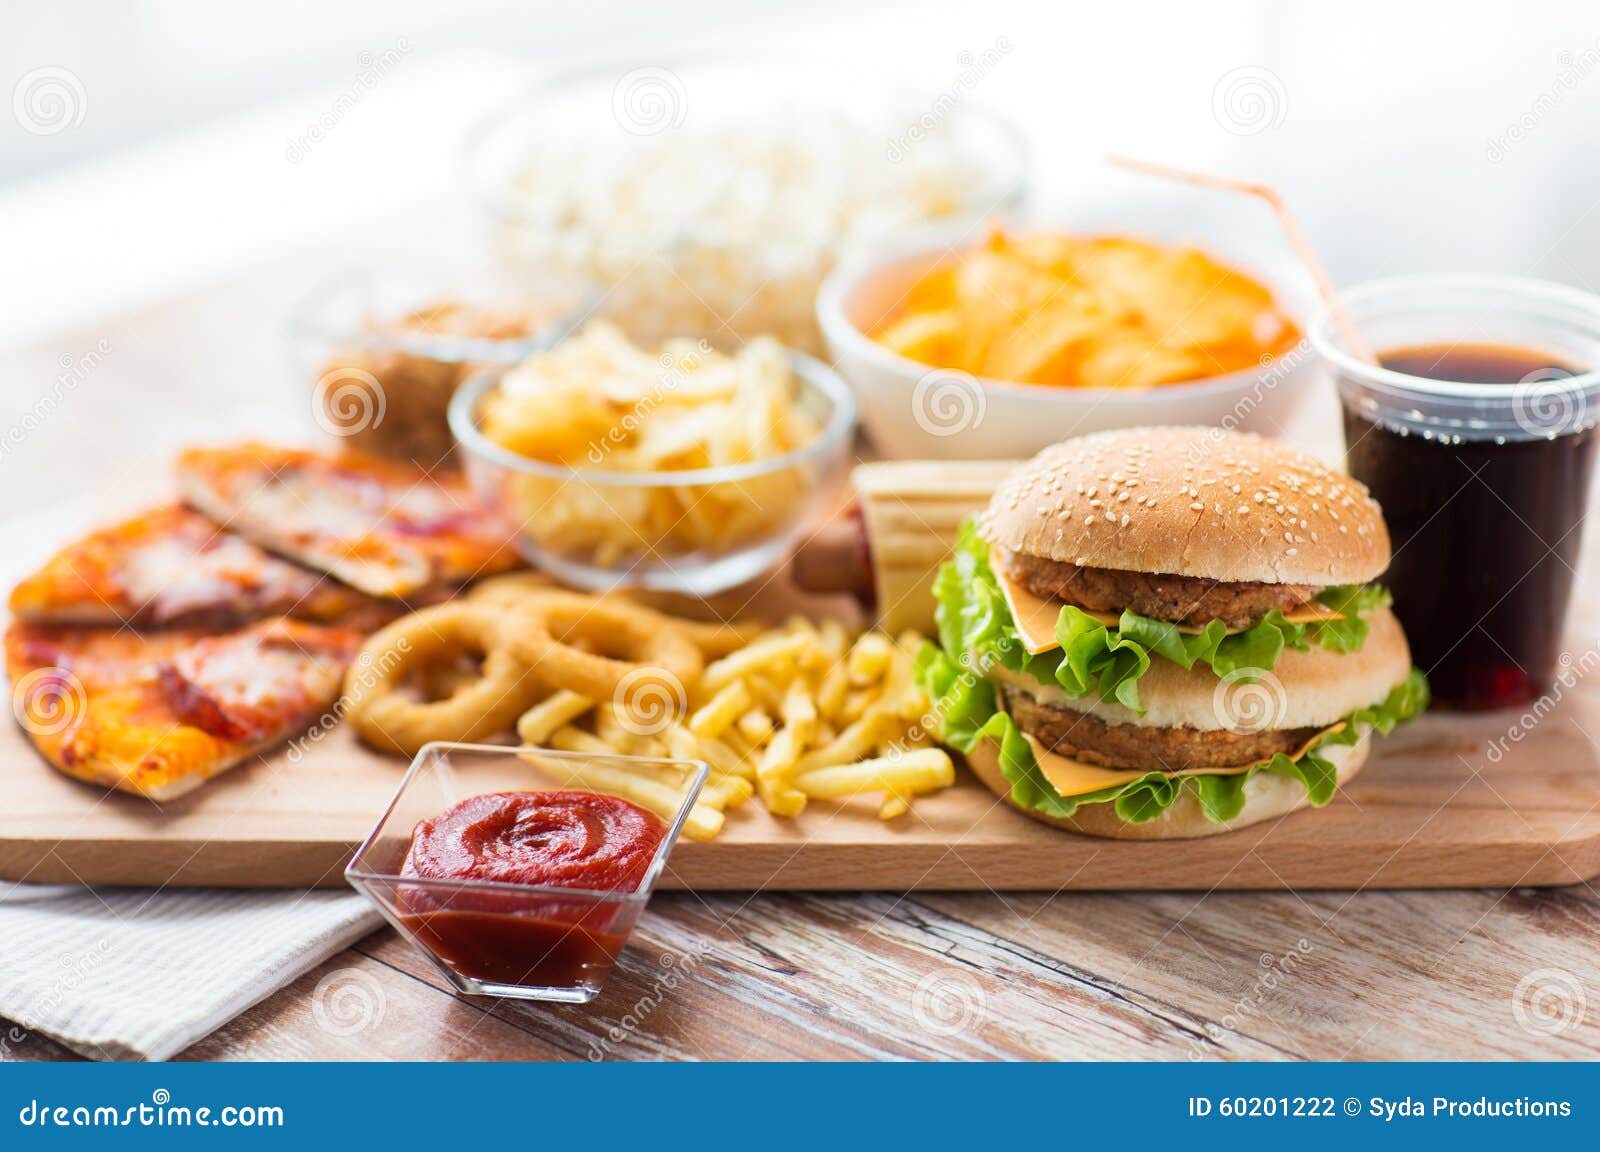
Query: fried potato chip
point(1088, 312)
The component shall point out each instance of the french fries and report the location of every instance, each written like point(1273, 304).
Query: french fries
point(553, 712)
point(595, 400)
point(798, 713)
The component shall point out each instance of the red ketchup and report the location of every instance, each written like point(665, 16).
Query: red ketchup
point(578, 840)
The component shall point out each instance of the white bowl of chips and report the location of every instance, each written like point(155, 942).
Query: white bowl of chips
point(915, 407)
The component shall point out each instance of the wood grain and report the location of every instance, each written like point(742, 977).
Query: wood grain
point(1221, 976)
point(1071, 975)
point(1491, 800)
point(1434, 808)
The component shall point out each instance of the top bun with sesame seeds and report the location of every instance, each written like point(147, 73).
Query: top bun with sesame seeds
point(1203, 503)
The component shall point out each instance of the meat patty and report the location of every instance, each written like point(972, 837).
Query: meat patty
point(1178, 599)
point(1087, 738)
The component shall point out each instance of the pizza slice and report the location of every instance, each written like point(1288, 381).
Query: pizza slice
point(173, 567)
point(386, 528)
point(160, 713)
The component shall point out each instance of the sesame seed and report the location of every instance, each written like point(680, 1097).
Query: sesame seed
point(1197, 507)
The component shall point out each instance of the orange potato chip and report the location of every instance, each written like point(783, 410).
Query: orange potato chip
point(1088, 312)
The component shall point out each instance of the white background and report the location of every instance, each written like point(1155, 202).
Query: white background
point(1384, 114)
point(1408, 136)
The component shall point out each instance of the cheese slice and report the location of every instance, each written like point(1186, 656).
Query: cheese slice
point(1071, 777)
point(1035, 616)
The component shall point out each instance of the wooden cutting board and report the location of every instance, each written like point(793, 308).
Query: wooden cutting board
point(1434, 808)
point(1449, 801)
point(1490, 800)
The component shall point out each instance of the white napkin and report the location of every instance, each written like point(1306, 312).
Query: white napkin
point(125, 974)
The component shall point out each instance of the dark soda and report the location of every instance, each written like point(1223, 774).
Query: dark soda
point(1485, 532)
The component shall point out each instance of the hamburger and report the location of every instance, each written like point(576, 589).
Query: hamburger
point(1169, 632)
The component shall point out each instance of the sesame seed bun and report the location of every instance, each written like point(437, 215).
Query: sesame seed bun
point(1267, 797)
point(1203, 502)
point(1303, 690)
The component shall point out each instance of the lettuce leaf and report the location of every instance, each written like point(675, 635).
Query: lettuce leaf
point(1353, 601)
point(975, 622)
point(968, 712)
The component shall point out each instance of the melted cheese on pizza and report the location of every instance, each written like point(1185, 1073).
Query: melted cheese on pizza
point(386, 528)
point(158, 714)
point(174, 566)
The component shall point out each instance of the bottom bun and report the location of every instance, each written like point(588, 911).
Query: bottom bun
point(1267, 796)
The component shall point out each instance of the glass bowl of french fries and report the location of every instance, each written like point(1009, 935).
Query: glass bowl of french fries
point(678, 469)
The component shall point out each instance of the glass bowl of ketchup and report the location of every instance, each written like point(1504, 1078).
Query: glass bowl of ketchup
point(1476, 432)
point(521, 872)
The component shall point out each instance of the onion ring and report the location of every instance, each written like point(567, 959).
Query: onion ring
point(484, 707)
point(659, 650)
point(510, 590)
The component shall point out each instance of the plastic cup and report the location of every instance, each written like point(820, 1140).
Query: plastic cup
point(1485, 487)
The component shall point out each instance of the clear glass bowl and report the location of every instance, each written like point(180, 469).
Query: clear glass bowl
point(520, 941)
point(712, 196)
point(786, 494)
point(385, 352)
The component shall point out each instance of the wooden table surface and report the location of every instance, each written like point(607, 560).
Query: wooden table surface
point(1468, 974)
point(1377, 975)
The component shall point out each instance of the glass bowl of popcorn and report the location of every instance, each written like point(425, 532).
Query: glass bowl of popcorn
point(675, 468)
point(713, 196)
